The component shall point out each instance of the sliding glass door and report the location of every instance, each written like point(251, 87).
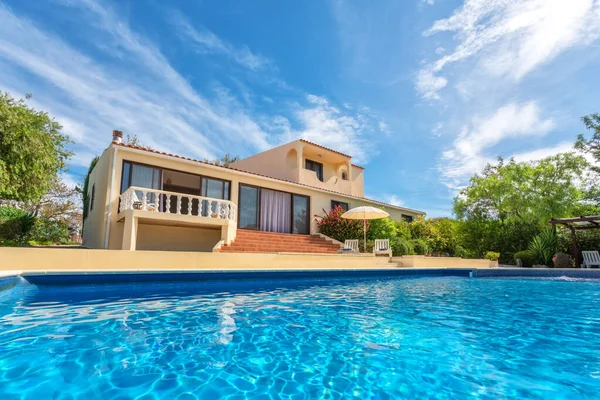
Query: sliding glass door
point(300, 216)
point(248, 207)
point(273, 211)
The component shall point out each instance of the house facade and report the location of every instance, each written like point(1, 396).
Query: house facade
point(148, 200)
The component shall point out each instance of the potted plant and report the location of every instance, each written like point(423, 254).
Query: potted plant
point(493, 257)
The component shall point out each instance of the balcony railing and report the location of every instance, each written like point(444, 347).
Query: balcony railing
point(162, 201)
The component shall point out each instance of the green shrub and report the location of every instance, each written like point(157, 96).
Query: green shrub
point(49, 231)
point(402, 247)
point(527, 258)
point(543, 246)
point(492, 256)
point(461, 252)
point(383, 228)
point(15, 224)
point(421, 246)
point(562, 260)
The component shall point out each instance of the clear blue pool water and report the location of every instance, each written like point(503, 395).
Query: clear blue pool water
point(365, 338)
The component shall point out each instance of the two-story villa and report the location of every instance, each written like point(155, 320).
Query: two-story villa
point(149, 200)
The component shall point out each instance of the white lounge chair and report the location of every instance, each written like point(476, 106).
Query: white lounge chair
point(351, 244)
point(590, 259)
point(382, 246)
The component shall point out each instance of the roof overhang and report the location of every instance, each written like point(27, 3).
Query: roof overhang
point(204, 164)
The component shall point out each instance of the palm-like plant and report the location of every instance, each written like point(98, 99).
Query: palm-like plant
point(544, 245)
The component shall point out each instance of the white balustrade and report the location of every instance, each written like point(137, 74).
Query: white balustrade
point(144, 199)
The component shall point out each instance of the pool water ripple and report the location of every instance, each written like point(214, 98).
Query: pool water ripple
point(303, 339)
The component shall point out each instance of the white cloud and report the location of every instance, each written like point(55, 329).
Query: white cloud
point(428, 85)
point(544, 152)
point(393, 200)
point(511, 37)
point(346, 132)
point(145, 96)
point(469, 152)
point(207, 42)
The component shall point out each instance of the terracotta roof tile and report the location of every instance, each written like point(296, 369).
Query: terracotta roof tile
point(325, 148)
point(264, 176)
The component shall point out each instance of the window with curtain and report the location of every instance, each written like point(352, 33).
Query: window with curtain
point(345, 206)
point(275, 211)
point(315, 166)
point(142, 176)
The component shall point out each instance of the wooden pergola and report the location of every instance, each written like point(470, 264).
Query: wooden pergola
point(575, 224)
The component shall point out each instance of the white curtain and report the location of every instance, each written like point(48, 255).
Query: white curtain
point(146, 177)
point(275, 211)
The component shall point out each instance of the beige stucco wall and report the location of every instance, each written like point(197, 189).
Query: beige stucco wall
point(44, 259)
point(176, 238)
point(274, 162)
point(94, 229)
point(94, 226)
point(440, 262)
point(358, 181)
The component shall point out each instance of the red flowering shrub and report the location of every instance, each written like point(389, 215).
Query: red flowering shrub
point(338, 228)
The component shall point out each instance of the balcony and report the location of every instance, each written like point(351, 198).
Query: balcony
point(161, 207)
point(161, 201)
point(334, 183)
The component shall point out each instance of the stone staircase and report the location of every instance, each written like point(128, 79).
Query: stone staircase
point(248, 241)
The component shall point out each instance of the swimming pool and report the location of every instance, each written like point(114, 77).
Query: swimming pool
point(359, 337)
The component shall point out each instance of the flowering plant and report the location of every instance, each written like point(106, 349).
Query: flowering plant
point(333, 225)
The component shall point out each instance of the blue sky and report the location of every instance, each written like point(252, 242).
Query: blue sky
point(421, 92)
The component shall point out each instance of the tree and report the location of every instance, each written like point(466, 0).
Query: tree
point(591, 146)
point(32, 150)
point(534, 191)
point(224, 161)
point(62, 202)
point(503, 208)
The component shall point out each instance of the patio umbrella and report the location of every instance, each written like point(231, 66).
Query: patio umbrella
point(365, 213)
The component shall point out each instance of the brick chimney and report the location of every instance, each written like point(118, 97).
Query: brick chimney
point(117, 136)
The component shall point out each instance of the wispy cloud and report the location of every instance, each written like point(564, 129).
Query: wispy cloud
point(207, 42)
point(347, 131)
point(470, 150)
point(510, 38)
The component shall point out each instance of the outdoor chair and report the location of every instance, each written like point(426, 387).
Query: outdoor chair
point(590, 259)
point(382, 246)
point(352, 245)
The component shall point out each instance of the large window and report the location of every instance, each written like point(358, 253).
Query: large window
point(150, 177)
point(215, 188)
point(273, 211)
point(335, 203)
point(300, 216)
point(248, 207)
point(315, 166)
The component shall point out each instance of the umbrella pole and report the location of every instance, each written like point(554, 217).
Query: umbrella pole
point(365, 235)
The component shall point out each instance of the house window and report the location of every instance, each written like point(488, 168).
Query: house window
point(273, 211)
point(215, 188)
point(93, 197)
point(344, 176)
point(315, 166)
point(407, 218)
point(345, 206)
